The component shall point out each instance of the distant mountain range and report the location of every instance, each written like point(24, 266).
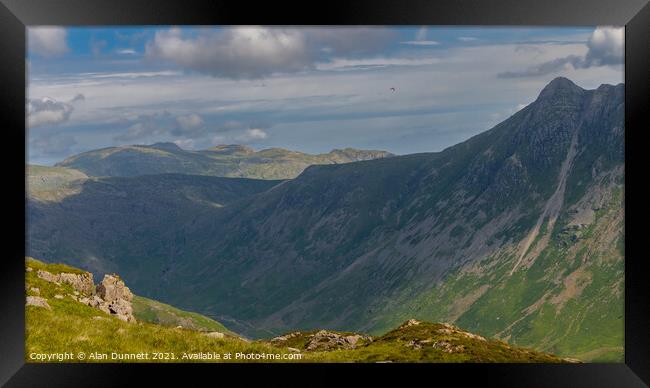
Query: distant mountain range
point(225, 161)
point(516, 233)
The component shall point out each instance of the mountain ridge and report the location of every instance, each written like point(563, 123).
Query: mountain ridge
point(234, 160)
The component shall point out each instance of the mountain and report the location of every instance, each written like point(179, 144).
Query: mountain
point(224, 161)
point(516, 233)
point(59, 321)
point(101, 221)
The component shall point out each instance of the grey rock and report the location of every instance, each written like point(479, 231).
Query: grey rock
point(325, 340)
point(80, 282)
point(38, 302)
point(112, 288)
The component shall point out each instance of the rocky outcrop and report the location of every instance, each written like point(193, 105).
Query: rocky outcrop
point(81, 282)
point(325, 340)
point(448, 347)
point(451, 329)
point(114, 297)
point(111, 296)
point(286, 337)
point(409, 323)
point(38, 302)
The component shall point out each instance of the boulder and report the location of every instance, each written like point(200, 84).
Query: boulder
point(114, 297)
point(111, 297)
point(47, 276)
point(409, 323)
point(80, 282)
point(122, 309)
point(38, 302)
point(285, 337)
point(112, 288)
point(325, 340)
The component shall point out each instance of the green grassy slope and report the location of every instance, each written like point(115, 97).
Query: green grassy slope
point(152, 311)
point(53, 183)
point(70, 326)
point(74, 327)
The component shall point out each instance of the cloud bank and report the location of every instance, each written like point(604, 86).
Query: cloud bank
point(47, 41)
point(257, 52)
point(605, 47)
point(47, 111)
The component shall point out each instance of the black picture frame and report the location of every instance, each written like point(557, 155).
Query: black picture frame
point(15, 15)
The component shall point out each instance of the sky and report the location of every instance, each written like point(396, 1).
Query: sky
point(312, 89)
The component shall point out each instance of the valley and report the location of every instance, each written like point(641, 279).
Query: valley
point(515, 234)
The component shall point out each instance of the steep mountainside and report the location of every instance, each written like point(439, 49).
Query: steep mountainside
point(98, 223)
point(515, 233)
point(225, 161)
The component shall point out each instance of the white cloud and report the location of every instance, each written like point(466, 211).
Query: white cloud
point(238, 52)
point(47, 41)
point(189, 122)
point(127, 51)
point(421, 42)
point(252, 52)
point(47, 111)
point(188, 125)
point(251, 135)
point(344, 63)
point(605, 47)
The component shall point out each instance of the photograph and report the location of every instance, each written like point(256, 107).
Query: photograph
point(325, 194)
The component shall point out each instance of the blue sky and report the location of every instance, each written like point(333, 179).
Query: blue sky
point(310, 89)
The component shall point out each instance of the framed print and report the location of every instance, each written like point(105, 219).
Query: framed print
point(301, 194)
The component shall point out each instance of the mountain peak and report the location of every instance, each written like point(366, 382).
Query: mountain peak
point(166, 146)
point(560, 86)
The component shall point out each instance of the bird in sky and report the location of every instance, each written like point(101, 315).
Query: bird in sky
point(392, 89)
